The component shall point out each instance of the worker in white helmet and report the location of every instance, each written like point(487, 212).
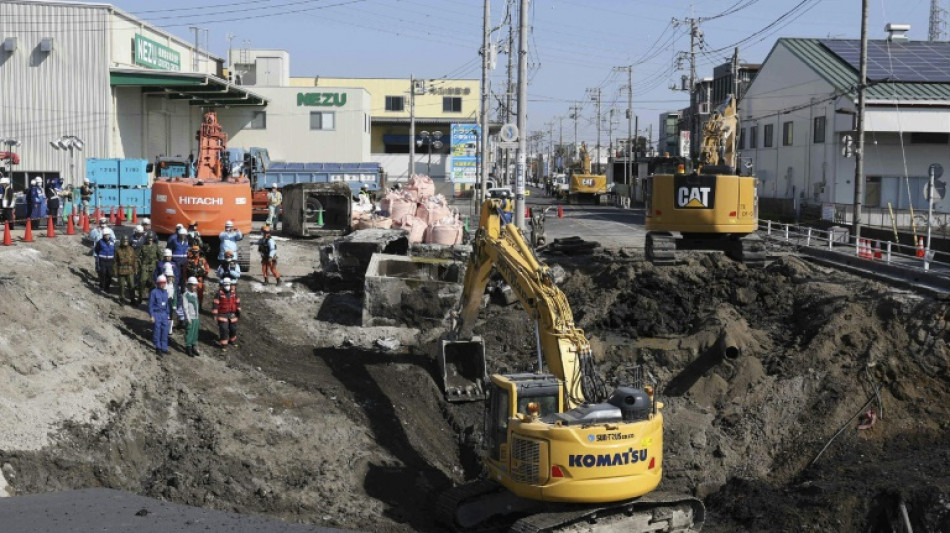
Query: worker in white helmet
point(191, 309)
point(160, 313)
point(7, 201)
point(85, 195)
point(147, 229)
point(274, 200)
point(229, 239)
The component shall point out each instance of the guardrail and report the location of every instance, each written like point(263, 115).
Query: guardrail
point(886, 252)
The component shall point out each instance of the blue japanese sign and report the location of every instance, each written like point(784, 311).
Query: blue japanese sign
point(463, 167)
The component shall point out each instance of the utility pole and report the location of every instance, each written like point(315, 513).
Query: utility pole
point(575, 113)
point(194, 55)
point(937, 22)
point(735, 85)
point(595, 96)
point(610, 134)
point(628, 165)
point(509, 92)
point(695, 38)
point(522, 113)
point(560, 141)
point(859, 153)
point(412, 126)
point(486, 90)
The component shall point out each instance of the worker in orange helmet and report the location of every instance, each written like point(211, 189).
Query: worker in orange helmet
point(197, 267)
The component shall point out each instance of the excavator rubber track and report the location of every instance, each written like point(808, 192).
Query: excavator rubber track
point(654, 512)
point(660, 248)
point(657, 511)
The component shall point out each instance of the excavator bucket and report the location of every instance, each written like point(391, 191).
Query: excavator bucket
point(462, 364)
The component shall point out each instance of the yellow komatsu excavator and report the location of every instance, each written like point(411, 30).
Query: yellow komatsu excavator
point(558, 449)
point(712, 208)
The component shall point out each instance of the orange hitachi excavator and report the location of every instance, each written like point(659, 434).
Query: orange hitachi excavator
point(211, 197)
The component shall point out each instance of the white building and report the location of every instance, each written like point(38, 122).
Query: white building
point(799, 113)
point(128, 89)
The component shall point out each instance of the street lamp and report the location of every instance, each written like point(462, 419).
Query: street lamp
point(69, 142)
point(432, 142)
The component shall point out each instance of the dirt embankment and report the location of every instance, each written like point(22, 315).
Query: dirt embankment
point(309, 420)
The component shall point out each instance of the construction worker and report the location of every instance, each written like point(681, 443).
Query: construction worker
point(159, 312)
point(95, 234)
point(7, 201)
point(197, 268)
point(149, 255)
point(229, 268)
point(35, 198)
point(195, 238)
point(51, 193)
point(105, 259)
point(229, 239)
point(267, 247)
point(178, 244)
point(126, 266)
point(191, 309)
point(147, 229)
point(226, 311)
point(274, 199)
point(85, 195)
point(167, 268)
point(138, 237)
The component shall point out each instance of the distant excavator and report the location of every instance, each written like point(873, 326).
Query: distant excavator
point(712, 208)
point(559, 449)
point(585, 187)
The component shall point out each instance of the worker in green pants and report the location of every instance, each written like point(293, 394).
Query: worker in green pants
point(191, 309)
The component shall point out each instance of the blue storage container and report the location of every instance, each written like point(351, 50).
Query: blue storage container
point(119, 182)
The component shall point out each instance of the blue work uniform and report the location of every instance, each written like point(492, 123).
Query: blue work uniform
point(105, 260)
point(229, 241)
point(179, 245)
point(160, 311)
point(232, 271)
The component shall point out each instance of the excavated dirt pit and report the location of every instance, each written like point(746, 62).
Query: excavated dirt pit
point(315, 419)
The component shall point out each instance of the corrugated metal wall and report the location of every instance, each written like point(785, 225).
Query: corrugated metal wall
point(44, 95)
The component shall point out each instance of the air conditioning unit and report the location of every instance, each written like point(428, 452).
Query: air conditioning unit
point(704, 108)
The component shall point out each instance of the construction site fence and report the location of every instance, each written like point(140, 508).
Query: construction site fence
point(840, 239)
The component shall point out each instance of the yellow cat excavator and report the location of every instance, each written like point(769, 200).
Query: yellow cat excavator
point(559, 449)
point(712, 208)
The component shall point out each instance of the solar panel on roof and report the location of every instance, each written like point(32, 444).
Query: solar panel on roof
point(913, 61)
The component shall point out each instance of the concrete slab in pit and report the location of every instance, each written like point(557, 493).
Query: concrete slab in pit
point(410, 291)
point(350, 256)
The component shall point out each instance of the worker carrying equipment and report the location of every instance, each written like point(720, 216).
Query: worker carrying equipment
point(556, 435)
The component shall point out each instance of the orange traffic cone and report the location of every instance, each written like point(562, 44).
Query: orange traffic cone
point(7, 239)
point(119, 216)
point(135, 215)
point(70, 227)
point(112, 216)
point(560, 211)
point(878, 254)
point(28, 234)
point(84, 218)
point(920, 248)
point(50, 227)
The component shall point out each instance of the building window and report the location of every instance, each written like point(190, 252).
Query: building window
point(741, 138)
point(258, 121)
point(819, 130)
point(767, 135)
point(322, 120)
point(927, 137)
point(753, 137)
point(451, 105)
point(787, 133)
point(395, 103)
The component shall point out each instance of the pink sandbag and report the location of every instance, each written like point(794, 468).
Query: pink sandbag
point(423, 184)
point(417, 228)
point(447, 232)
point(433, 210)
point(400, 208)
point(371, 222)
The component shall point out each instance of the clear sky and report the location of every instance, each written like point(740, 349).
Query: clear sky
point(574, 45)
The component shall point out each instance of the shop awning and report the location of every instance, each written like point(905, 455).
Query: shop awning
point(199, 89)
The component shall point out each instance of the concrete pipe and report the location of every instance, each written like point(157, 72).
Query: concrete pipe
point(728, 346)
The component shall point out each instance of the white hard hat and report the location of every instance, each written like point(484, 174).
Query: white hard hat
point(168, 252)
point(146, 221)
point(182, 231)
point(161, 279)
point(4, 181)
point(226, 281)
point(85, 180)
point(139, 229)
point(169, 271)
point(192, 281)
point(107, 232)
point(103, 220)
point(273, 185)
point(229, 224)
point(38, 179)
point(179, 226)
